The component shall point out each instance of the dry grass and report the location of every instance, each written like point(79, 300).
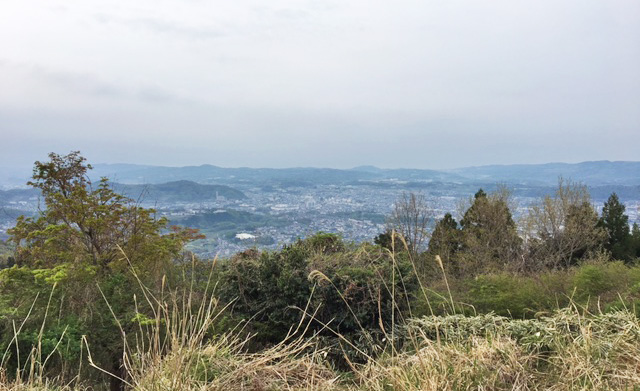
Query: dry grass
point(176, 352)
point(568, 351)
point(479, 364)
point(292, 366)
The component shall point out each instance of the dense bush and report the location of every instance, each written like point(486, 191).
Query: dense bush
point(350, 289)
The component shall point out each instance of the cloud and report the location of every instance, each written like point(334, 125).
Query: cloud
point(65, 89)
point(79, 83)
point(297, 82)
point(160, 26)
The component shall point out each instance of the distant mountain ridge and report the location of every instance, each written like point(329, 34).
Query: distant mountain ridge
point(169, 192)
point(594, 173)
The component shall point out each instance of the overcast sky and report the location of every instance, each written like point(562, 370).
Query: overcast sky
point(278, 83)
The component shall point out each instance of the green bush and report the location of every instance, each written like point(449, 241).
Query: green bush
point(347, 288)
point(506, 295)
point(603, 281)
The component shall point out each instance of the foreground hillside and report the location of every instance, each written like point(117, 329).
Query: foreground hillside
point(99, 293)
point(566, 351)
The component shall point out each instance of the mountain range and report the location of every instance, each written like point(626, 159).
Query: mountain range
point(176, 191)
point(595, 173)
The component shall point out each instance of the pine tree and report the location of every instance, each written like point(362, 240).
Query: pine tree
point(445, 242)
point(617, 225)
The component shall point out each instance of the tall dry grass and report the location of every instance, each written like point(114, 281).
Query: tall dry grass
point(177, 351)
point(570, 350)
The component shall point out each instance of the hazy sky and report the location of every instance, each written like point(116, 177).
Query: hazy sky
point(280, 83)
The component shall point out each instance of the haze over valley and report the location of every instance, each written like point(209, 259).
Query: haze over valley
point(238, 208)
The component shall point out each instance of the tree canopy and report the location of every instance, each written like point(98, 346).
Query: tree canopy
point(89, 224)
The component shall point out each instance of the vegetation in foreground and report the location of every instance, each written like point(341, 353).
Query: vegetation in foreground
point(97, 293)
point(570, 350)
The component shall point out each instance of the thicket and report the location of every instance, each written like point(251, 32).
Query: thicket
point(348, 292)
point(95, 289)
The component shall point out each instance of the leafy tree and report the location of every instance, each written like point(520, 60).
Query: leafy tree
point(325, 243)
point(390, 240)
point(583, 230)
point(85, 244)
point(616, 224)
point(6, 255)
point(86, 225)
point(635, 240)
point(349, 289)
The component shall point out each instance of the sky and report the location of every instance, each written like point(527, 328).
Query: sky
point(284, 83)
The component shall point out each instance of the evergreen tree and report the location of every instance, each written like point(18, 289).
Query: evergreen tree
point(390, 240)
point(616, 224)
point(489, 236)
point(445, 242)
point(635, 241)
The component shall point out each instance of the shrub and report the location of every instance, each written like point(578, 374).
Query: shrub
point(347, 289)
point(596, 279)
point(506, 294)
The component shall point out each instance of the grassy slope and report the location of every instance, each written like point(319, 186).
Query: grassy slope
point(570, 350)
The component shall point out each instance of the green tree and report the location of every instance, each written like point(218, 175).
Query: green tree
point(583, 231)
point(6, 255)
point(635, 241)
point(488, 235)
point(349, 289)
point(445, 241)
point(87, 224)
point(390, 240)
point(85, 242)
point(616, 223)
